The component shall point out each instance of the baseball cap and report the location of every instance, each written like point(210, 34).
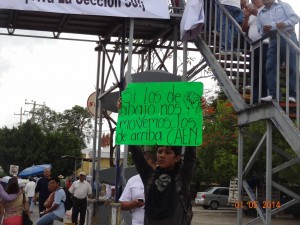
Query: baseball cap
point(82, 173)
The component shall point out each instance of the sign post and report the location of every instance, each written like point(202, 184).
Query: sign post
point(13, 170)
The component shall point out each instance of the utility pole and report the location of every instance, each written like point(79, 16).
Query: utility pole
point(20, 114)
point(33, 111)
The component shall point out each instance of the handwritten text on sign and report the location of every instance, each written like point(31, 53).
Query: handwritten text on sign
point(167, 113)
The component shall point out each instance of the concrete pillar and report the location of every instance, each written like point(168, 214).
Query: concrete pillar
point(103, 212)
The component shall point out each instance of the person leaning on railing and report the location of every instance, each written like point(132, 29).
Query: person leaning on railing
point(250, 27)
point(234, 8)
point(278, 16)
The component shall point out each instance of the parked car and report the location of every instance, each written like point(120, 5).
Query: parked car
point(213, 197)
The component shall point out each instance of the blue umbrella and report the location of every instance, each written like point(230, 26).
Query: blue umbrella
point(34, 170)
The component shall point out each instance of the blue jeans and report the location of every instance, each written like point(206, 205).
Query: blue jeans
point(256, 84)
point(31, 203)
point(47, 219)
point(236, 13)
point(271, 68)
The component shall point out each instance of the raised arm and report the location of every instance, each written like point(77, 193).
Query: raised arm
point(5, 196)
point(141, 164)
point(188, 164)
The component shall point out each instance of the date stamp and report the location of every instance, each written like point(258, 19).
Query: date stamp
point(256, 204)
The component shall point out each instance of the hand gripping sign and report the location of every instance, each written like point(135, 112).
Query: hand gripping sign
point(167, 113)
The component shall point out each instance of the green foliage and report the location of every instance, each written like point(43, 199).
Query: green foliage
point(217, 156)
point(75, 122)
point(44, 142)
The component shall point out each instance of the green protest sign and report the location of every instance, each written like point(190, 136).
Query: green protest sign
point(167, 113)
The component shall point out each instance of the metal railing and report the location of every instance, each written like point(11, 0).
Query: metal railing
point(236, 57)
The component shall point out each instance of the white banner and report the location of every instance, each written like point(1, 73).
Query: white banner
point(120, 8)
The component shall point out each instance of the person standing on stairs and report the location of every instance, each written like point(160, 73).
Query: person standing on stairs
point(250, 27)
point(234, 8)
point(244, 6)
point(278, 16)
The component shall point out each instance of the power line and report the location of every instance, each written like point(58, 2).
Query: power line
point(33, 110)
point(20, 114)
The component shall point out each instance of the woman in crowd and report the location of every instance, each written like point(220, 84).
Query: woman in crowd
point(13, 209)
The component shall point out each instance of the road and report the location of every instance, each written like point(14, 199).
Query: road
point(228, 216)
point(221, 216)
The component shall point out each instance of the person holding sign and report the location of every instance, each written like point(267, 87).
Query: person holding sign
point(167, 187)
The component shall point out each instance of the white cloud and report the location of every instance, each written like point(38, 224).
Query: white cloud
point(60, 73)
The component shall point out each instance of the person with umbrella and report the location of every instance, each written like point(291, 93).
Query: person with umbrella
point(42, 189)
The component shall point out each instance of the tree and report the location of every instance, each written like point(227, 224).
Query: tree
point(75, 121)
point(47, 118)
point(52, 136)
point(217, 156)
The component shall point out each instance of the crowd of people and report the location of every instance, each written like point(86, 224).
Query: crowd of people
point(49, 193)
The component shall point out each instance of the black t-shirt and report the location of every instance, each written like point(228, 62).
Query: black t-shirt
point(42, 188)
point(185, 172)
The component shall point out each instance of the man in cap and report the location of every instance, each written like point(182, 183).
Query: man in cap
point(62, 181)
point(80, 190)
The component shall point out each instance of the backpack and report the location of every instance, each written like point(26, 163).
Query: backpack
point(68, 203)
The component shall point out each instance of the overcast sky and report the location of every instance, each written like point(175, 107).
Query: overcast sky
point(59, 73)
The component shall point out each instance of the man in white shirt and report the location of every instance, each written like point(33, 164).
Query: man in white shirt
point(29, 191)
point(250, 26)
point(133, 197)
point(275, 16)
point(80, 190)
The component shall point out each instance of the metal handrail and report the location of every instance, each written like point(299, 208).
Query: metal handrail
point(238, 67)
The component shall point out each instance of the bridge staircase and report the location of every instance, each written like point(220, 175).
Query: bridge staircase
point(234, 74)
